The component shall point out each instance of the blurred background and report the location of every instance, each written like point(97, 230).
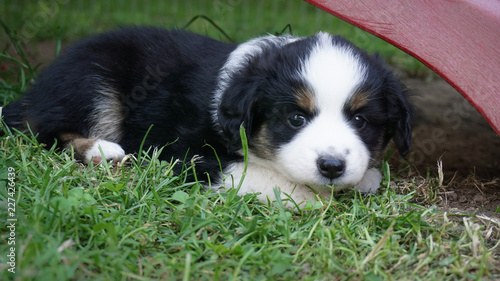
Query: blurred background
point(45, 21)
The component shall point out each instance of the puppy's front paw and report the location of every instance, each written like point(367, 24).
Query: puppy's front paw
point(370, 181)
point(111, 151)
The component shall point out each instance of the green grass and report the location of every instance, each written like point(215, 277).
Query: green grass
point(139, 221)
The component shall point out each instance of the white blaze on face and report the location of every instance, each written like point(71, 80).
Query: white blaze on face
point(333, 74)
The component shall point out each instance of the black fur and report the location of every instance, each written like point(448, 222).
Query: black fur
point(181, 66)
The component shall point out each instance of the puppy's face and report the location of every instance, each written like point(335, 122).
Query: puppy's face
point(318, 110)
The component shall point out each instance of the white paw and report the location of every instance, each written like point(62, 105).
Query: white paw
point(111, 151)
point(370, 181)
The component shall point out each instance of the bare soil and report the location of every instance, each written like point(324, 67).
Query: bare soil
point(447, 129)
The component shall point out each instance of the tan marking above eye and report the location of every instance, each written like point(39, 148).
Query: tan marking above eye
point(358, 100)
point(305, 99)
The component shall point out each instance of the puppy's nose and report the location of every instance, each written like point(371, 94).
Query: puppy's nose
point(331, 167)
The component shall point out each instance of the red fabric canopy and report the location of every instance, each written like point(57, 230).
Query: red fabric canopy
point(458, 39)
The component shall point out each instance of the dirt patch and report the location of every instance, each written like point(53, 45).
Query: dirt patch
point(447, 128)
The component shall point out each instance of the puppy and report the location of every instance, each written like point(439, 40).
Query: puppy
point(317, 111)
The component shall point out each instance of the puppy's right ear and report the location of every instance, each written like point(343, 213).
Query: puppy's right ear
point(235, 109)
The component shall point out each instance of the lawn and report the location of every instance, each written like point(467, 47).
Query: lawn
point(139, 221)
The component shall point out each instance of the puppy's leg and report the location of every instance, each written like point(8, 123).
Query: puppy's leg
point(88, 149)
point(370, 181)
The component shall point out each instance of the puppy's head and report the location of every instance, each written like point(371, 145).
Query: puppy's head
point(317, 110)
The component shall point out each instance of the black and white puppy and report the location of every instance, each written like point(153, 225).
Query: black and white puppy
point(318, 112)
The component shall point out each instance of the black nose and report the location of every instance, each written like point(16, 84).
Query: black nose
point(331, 167)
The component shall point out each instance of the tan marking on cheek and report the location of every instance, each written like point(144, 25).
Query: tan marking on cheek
point(305, 99)
point(260, 144)
point(358, 100)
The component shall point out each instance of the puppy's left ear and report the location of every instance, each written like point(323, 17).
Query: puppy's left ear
point(235, 109)
point(402, 136)
point(403, 112)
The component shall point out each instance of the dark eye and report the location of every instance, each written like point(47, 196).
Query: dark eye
point(359, 121)
point(297, 121)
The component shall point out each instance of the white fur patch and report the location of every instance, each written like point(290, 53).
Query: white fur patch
point(326, 135)
point(370, 182)
point(333, 72)
point(111, 151)
point(263, 180)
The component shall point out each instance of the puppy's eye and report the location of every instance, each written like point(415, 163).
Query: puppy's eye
point(297, 121)
point(359, 121)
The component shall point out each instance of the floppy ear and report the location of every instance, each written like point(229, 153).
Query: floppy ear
point(402, 112)
point(398, 110)
point(402, 135)
point(237, 108)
